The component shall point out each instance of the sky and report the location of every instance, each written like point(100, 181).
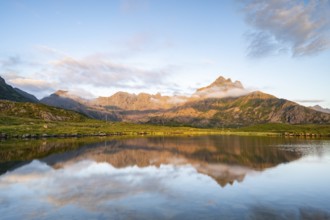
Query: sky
point(96, 48)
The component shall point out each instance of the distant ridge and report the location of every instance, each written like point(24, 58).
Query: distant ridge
point(320, 109)
point(222, 103)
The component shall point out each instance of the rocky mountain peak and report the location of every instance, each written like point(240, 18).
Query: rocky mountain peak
point(68, 95)
point(61, 92)
point(223, 83)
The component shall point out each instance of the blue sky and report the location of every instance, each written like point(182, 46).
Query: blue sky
point(99, 47)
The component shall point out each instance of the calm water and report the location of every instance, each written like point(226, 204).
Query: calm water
point(209, 177)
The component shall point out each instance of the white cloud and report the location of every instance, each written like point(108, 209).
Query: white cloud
point(221, 92)
point(301, 27)
point(101, 72)
point(33, 85)
point(309, 100)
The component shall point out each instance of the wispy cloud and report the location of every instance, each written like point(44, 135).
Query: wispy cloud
point(219, 92)
point(309, 100)
point(133, 5)
point(31, 84)
point(101, 72)
point(10, 61)
point(50, 51)
point(301, 27)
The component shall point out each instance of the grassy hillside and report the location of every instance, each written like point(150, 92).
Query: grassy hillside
point(254, 108)
point(37, 111)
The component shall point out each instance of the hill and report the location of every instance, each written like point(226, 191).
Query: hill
point(62, 99)
point(37, 111)
point(253, 108)
point(7, 92)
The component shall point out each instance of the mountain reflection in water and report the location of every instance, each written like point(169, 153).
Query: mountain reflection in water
point(157, 177)
point(224, 158)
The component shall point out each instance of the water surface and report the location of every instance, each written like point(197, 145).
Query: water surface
point(206, 177)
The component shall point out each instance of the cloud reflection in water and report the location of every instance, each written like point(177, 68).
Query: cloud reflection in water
point(94, 188)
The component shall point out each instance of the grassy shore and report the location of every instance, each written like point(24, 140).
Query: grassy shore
point(14, 127)
point(23, 127)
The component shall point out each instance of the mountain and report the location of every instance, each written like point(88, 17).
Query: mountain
point(224, 84)
point(7, 92)
point(222, 103)
point(27, 95)
point(253, 108)
point(142, 101)
point(65, 100)
point(37, 111)
point(320, 109)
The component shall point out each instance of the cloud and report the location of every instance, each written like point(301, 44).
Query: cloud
point(11, 62)
point(28, 84)
point(50, 51)
point(309, 100)
point(97, 73)
point(130, 6)
point(220, 92)
point(101, 72)
point(300, 27)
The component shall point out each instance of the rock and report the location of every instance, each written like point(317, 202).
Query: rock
point(26, 135)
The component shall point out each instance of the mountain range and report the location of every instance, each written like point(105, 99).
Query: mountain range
point(223, 103)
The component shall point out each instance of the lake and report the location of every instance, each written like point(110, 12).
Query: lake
point(202, 177)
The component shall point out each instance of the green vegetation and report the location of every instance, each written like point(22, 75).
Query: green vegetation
point(289, 129)
point(30, 120)
point(26, 127)
point(13, 126)
point(37, 111)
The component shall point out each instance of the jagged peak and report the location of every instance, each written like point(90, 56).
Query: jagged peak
point(68, 94)
point(61, 92)
point(224, 83)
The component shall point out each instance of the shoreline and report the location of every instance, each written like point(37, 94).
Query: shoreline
point(37, 136)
